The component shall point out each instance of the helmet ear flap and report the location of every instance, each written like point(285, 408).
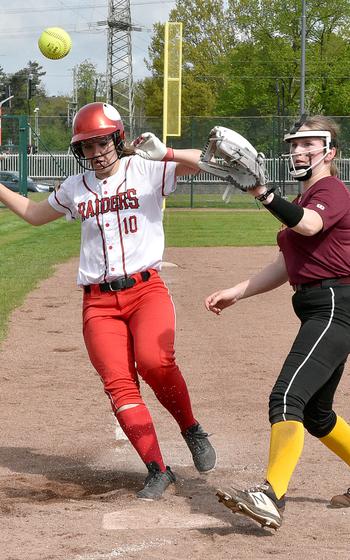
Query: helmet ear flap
point(77, 150)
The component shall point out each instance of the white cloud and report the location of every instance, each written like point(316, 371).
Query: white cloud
point(22, 22)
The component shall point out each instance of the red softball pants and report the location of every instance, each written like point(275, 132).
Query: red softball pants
point(132, 332)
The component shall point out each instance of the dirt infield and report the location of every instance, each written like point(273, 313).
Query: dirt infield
point(67, 485)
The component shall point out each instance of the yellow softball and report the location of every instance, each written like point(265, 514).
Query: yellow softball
point(55, 43)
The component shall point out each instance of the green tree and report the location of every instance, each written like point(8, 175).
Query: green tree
point(55, 133)
point(4, 92)
point(19, 85)
point(243, 57)
point(269, 53)
point(205, 42)
point(91, 86)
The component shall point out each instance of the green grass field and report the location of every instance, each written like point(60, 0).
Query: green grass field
point(203, 228)
point(210, 200)
point(29, 254)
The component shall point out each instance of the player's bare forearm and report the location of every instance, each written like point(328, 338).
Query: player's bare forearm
point(187, 161)
point(271, 277)
point(35, 213)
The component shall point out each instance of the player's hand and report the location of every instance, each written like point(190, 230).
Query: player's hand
point(258, 190)
point(148, 146)
point(218, 301)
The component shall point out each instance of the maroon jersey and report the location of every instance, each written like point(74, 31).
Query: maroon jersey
point(326, 254)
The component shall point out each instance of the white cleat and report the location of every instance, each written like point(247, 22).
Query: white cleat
point(256, 504)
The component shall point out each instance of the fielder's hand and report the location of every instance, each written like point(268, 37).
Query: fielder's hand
point(218, 301)
point(148, 146)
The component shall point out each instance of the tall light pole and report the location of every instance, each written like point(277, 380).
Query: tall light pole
point(1, 104)
point(36, 129)
point(302, 64)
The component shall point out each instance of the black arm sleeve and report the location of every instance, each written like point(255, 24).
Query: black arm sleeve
point(286, 212)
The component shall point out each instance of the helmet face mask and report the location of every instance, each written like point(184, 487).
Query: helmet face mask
point(95, 123)
point(107, 145)
point(304, 172)
point(103, 142)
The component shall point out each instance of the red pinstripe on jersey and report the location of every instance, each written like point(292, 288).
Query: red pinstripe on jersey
point(163, 179)
point(63, 206)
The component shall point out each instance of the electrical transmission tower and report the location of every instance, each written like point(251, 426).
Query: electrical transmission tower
point(120, 90)
point(73, 103)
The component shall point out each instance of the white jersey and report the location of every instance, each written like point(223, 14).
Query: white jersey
point(122, 229)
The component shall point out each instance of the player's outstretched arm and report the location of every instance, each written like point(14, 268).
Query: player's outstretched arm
point(187, 161)
point(269, 278)
point(148, 146)
point(35, 213)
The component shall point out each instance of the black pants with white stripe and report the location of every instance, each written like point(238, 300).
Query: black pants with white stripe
point(305, 388)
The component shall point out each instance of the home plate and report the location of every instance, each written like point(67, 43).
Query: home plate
point(135, 519)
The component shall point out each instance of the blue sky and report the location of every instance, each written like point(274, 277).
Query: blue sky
point(22, 22)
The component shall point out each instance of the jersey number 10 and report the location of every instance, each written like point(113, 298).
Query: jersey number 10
point(130, 225)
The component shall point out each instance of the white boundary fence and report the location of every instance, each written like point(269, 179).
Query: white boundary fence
point(60, 165)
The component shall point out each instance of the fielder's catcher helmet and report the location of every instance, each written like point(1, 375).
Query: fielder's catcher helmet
point(304, 172)
point(93, 121)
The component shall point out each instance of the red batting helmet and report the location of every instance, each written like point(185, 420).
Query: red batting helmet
point(95, 120)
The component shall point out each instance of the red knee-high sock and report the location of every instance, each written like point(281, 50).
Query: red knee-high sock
point(171, 390)
point(138, 427)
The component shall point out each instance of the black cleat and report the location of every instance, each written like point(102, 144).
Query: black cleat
point(156, 482)
point(203, 453)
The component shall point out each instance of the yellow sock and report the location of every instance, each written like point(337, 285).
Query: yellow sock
point(338, 440)
point(286, 445)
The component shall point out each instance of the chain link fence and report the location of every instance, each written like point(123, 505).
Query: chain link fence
point(202, 191)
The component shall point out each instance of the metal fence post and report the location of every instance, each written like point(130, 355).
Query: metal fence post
point(191, 194)
point(23, 154)
point(192, 136)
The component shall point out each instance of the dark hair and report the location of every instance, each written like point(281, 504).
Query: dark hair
point(320, 122)
point(128, 150)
